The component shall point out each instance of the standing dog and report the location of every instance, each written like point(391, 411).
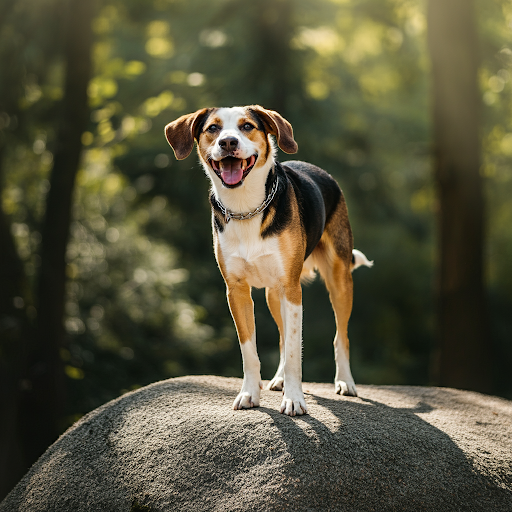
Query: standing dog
point(273, 224)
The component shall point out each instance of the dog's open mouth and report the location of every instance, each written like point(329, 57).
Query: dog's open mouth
point(232, 171)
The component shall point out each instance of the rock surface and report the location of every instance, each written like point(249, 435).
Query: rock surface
point(178, 445)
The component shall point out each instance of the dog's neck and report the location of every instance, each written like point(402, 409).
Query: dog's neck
point(248, 196)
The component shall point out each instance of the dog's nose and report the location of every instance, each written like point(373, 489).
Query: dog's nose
point(228, 143)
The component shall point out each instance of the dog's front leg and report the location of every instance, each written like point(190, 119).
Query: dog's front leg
point(291, 312)
point(242, 309)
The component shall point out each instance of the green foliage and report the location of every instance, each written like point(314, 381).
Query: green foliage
point(495, 81)
point(145, 299)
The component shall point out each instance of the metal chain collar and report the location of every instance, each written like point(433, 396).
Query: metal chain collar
point(228, 214)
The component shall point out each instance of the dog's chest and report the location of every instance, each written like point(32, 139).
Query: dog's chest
point(246, 255)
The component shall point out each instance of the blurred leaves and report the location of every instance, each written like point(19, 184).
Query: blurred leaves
point(145, 299)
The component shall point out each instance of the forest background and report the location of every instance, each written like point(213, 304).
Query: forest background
point(141, 297)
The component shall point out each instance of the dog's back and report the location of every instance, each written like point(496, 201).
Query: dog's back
point(320, 199)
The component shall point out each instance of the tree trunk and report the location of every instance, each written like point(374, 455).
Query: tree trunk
point(463, 355)
point(45, 404)
point(13, 335)
point(272, 31)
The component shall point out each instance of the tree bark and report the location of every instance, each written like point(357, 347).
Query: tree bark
point(45, 404)
point(272, 31)
point(463, 355)
point(13, 336)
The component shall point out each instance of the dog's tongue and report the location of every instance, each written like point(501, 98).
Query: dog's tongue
point(231, 170)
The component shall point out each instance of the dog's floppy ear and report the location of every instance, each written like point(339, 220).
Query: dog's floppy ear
point(182, 132)
point(277, 125)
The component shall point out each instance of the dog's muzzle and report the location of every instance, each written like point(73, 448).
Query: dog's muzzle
point(232, 171)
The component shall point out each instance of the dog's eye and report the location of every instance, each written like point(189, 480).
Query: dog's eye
point(247, 127)
point(212, 128)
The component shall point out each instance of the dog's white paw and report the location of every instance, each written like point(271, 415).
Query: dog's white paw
point(294, 405)
point(276, 384)
point(345, 388)
point(246, 400)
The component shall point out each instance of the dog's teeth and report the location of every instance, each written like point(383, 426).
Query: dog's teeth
point(244, 164)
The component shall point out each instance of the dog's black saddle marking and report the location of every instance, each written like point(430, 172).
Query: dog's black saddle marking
point(317, 195)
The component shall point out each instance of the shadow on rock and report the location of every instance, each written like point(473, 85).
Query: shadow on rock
point(381, 458)
point(178, 445)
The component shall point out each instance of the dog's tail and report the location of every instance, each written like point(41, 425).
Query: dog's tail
point(359, 259)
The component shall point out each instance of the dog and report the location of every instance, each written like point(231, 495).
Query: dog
point(273, 225)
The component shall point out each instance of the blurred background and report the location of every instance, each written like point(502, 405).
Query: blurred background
point(108, 279)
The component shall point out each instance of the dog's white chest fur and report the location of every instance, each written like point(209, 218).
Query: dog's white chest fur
point(246, 254)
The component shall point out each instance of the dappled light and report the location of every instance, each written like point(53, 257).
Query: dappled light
point(130, 239)
point(144, 299)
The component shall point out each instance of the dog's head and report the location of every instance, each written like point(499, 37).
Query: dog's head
point(231, 141)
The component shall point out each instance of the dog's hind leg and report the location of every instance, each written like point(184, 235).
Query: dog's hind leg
point(335, 270)
point(274, 305)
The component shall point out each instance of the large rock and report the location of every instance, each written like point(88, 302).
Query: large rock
point(178, 445)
